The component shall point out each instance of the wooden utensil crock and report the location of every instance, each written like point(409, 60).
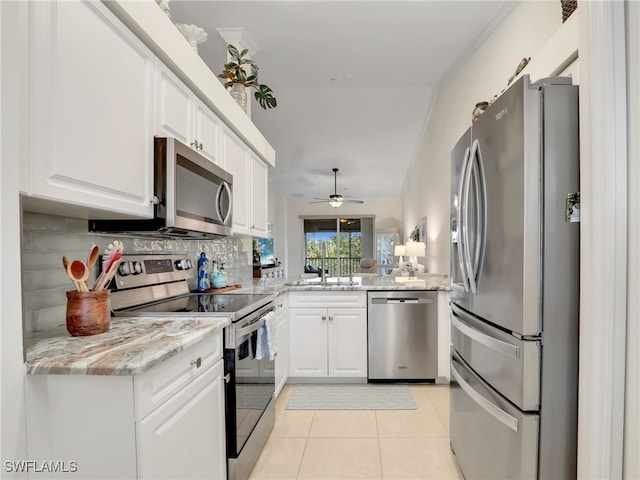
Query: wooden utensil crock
point(88, 313)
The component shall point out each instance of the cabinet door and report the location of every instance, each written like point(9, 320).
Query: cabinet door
point(236, 162)
point(259, 197)
point(90, 121)
point(185, 437)
point(308, 342)
point(173, 107)
point(347, 333)
point(206, 131)
point(282, 358)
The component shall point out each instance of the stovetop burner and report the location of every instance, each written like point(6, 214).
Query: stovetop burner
point(157, 285)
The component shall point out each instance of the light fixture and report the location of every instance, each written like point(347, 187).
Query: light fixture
point(398, 251)
point(335, 200)
point(414, 250)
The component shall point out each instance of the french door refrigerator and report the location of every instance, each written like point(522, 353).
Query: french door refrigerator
point(514, 286)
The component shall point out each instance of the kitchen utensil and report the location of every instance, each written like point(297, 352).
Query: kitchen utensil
point(94, 252)
point(107, 260)
point(79, 272)
point(65, 265)
point(106, 276)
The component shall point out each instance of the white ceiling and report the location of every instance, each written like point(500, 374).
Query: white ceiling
point(354, 80)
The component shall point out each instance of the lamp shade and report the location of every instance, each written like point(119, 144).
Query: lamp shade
point(336, 202)
point(398, 250)
point(415, 249)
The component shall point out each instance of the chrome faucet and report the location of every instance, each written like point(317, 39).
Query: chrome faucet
point(324, 259)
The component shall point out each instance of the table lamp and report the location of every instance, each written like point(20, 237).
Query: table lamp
point(414, 250)
point(398, 251)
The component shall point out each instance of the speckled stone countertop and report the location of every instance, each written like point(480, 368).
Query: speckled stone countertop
point(130, 347)
point(279, 286)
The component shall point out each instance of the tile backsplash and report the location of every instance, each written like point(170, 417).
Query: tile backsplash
point(46, 238)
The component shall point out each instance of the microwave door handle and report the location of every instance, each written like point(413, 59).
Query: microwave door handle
point(461, 261)
point(224, 188)
point(466, 206)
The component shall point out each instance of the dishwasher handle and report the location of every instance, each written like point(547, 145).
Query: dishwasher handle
point(382, 300)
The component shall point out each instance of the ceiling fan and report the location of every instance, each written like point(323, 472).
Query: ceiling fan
point(336, 200)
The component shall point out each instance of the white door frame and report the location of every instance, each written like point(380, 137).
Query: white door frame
point(603, 283)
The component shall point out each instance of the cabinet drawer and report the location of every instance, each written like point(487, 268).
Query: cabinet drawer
point(327, 299)
point(281, 303)
point(156, 386)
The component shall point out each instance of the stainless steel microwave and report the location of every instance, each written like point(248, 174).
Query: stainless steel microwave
point(192, 197)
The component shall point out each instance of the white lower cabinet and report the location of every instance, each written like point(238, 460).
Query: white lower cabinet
point(328, 334)
point(168, 422)
point(282, 335)
point(184, 438)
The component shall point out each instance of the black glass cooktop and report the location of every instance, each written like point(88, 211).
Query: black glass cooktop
point(236, 305)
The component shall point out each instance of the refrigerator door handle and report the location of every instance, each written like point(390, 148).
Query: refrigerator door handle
point(465, 230)
point(481, 211)
point(486, 340)
point(461, 226)
point(499, 414)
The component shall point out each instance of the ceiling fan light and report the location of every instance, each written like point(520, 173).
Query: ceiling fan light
point(335, 203)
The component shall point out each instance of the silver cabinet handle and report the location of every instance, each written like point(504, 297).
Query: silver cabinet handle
point(499, 414)
point(197, 362)
point(330, 317)
point(324, 317)
point(227, 378)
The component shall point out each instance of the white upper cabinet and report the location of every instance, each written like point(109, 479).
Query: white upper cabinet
point(259, 196)
point(90, 109)
point(180, 114)
point(250, 188)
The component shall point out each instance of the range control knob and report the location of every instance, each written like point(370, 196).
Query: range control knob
point(136, 268)
point(124, 269)
point(181, 265)
point(189, 265)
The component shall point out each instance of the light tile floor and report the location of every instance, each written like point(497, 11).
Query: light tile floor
point(361, 444)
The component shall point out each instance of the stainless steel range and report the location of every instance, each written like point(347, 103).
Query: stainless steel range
point(158, 285)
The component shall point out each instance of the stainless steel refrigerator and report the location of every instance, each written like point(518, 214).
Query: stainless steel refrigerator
point(515, 286)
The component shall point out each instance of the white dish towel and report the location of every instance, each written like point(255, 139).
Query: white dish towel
point(267, 342)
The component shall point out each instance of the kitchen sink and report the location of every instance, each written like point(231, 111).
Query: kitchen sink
point(327, 282)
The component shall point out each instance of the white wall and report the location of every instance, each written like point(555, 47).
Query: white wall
point(631, 465)
point(12, 131)
point(485, 74)
point(388, 215)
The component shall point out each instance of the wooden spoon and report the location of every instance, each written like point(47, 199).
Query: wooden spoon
point(65, 264)
point(79, 272)
point(93, 256)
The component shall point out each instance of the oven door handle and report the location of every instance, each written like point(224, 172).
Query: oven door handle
point(242, 331)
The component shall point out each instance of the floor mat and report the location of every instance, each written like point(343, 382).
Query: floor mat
point(351, 397)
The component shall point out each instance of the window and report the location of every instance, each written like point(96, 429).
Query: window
point(349, 240)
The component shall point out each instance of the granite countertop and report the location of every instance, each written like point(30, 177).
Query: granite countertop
point(279, 286)
point(130, 347)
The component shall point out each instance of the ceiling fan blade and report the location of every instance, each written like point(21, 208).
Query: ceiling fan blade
point(349, 200)
point(320, 201)
point(318, 198)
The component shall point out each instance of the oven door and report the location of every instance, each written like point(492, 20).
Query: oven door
point(251, 383)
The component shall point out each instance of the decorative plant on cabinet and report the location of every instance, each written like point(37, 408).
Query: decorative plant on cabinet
point(237, 79)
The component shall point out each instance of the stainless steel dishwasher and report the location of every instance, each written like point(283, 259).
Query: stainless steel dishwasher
point(403, 335)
